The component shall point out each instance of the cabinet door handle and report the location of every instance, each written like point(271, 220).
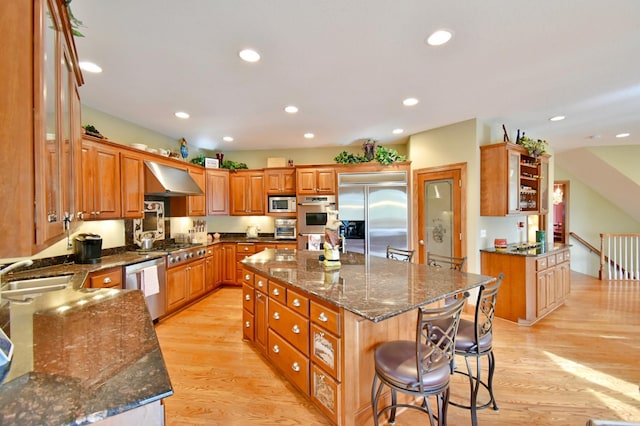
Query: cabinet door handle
point(295, 329)
point(323, 317)
point(247, 276)
point(107, 280)
point(276, 316)
point(247, 324)
point(296, 303)
point(276, 292)
point(295, 367)
point(276, 349)
point(258, 296)
point(247, 297)
point(260, 283)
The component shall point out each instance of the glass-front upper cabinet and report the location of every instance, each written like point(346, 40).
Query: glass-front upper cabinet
point(55, 154)
point(512, 181)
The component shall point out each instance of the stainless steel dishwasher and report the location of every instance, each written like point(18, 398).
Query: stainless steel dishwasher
point(157, 302)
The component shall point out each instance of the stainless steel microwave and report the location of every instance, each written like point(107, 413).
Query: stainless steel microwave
point(282, 204)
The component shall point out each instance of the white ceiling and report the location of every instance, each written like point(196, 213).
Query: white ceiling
point(348, 64)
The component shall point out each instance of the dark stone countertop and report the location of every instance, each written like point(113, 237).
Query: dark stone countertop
point(81, 355)
point(372, 287)
point(543, 250)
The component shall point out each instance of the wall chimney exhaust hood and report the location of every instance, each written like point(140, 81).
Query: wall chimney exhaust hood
point(168, 181)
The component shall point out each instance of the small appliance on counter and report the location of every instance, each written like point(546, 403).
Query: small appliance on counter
point(87, 248)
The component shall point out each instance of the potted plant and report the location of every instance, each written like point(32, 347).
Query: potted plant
point(535, 147)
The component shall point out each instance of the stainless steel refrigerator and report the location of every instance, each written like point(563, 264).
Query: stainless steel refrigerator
point(379, 200)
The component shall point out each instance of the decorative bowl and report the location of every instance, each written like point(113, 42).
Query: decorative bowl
point(140, 146)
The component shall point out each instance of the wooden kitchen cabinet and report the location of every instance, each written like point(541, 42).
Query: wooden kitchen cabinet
point(41, 134)
point(107, 278)
point(243, 250)
point(533, 285)
point(229, 275)
point(185, 283)
point(132, 185)
point(315, 180)
point(279, 181)
point(512, 182)
point(217, 192)
point(246, 193)
point(213, 263)
point(192, 205)
point(101, 180)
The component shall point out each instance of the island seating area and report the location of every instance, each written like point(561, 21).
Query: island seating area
point(319, 325)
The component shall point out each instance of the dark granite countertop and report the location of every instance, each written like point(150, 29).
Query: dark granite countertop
point(372, 287)
point(515, 250)
point(81, 355)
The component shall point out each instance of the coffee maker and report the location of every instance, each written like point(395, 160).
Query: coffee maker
point(87, 248)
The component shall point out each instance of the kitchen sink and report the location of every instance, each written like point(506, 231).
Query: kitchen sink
point(36, 285)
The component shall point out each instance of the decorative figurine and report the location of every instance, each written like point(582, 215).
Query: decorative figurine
point(184, 151)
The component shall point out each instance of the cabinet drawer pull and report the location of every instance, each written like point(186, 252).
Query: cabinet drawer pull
point(295, 329)
point(247, 324)
point(296, 303)
point(246, 249)
point(276, 292)
point(260, 283)
point(258, 296)
point(276, 316)
point(276, 349)
point(107, 280)
point(247, 297)
point(323, 317)
point(247, 276)
point(295, 367)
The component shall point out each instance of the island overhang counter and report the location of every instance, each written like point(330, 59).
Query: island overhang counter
point(320, 325)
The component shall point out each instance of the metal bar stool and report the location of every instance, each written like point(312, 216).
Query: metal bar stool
point(474, 341)
point(419, 368)
point(399, 254)
point(456, 263)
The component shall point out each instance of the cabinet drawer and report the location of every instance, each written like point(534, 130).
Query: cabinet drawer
point(541, 264)
point(293, 364)
point(247, 325)
point(298, 302)
point(247, 277)
point(325, 393)
point(551, 260)
point(111, 278)
point(261, 283)
point(567, 255)
point(291, 326)
point(325, 317)
point(247, 297)
point(278, 292)
point(245, 249)
point(325, 351)
point(559, 258)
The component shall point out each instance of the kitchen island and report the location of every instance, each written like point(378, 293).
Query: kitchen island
point(320, 325)
point(83, 356)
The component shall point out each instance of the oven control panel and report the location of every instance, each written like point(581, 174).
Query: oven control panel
point(183, 256)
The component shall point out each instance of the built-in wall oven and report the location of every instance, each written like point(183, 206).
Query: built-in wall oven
point(312, 216)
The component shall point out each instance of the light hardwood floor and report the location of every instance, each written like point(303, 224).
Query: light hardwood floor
point(578, 363)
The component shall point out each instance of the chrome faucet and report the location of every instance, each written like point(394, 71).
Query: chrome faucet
point(15, 265)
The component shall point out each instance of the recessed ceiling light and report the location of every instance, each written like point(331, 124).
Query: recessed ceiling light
point(309, 135)
point(410, 102)
point(90, 67)
point(397, 131)
point(557, 118)
point(227, 139)
point(182, 114)
point(439, 37)
point(249, 55)
point(623, 135)
point(291, 109)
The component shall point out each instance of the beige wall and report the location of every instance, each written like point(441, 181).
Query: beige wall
point(456, 143)
point(623, 157)
point(589, 215)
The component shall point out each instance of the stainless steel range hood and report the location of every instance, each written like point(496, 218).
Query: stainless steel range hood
point(167, 181)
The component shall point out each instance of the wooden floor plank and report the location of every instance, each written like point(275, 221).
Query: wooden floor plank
point(578, 363)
